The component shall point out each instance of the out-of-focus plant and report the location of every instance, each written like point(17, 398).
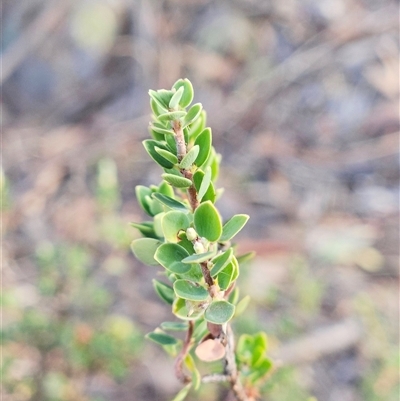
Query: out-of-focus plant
point(187, 237)
point(58, 329)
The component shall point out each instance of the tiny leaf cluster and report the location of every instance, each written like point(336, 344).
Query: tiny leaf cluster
point(187, 237)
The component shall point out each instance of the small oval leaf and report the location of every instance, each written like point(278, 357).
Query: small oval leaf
point(219, 312)
point(189, 290)
point(161, 130)
point(192, 114)
point(207, 221)
point(146, 228)
point(164, 291)
point(144, 250)
point(220, 261)
point(176, 181)
point(225, 277)
point(170, 202)
point(173, 222)
point(199, 258)
point(204, 140)
point(233, 226)
point(170, 256)
point(197, 126)
point(188, 93)
point(149, 145)
point(176, 98)
point(166, 154)
point(205, 184)
point(171, 115)
point(189, 158)
point(161, 338)
point(141, 193)
point(210, 194)
point(174, 326)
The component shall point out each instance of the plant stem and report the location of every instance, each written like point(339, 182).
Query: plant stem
point(230, 371)
point(231, 367)
point(181, 152)
point(179, 373)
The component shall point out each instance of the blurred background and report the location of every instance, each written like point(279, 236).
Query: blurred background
point(303, 100)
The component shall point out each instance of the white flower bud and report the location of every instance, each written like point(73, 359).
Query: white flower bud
point(191, 234)
point(198, 247)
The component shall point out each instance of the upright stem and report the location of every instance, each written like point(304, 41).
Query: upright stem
point(179, 373)
point(216, 331)
point(181, 152)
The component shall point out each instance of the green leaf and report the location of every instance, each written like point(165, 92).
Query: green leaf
point(191, 366)
point(235, 264)
point(263, 367)
point(180, 309)
point(192, 114)
point(166, 154)
point(161, 130)
point(220, 261)
point(188, 93)
point(170, 139)
point(157, 225)
point(158, 105)
point(225, 276)
point(197, 126)
point(161, 338)
point(204, 141)
point(164, 291)
point(170, 256)
point(165, 189)
point(141, 193)
point(173, 222)
point(194, 274)
point(174, 326)
point(207, 221)
point(244, 348)
point(233, 226)
point(146, 228)
point(205, 184)
point(165, 95)
point(189, 158)
point(144, 250)
point(176, 181)
point(261, 340)
point(242, 305)
point(234, 296)
point(171, 115)
point(155, 206)
point(170, 202)
point(183, 393)
point(210, 195)
point(189, 290)
point(199, 257)
point(176, 98)
point(219, 312)
point(150, 145)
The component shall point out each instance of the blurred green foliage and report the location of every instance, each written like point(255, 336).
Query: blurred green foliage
point(61, 328)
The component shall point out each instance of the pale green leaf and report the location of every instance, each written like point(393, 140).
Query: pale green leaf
point(170, 256)
point(207, 221)
point(233, 226)
point(219, 312)
point(189, 290)
point(144, 250)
